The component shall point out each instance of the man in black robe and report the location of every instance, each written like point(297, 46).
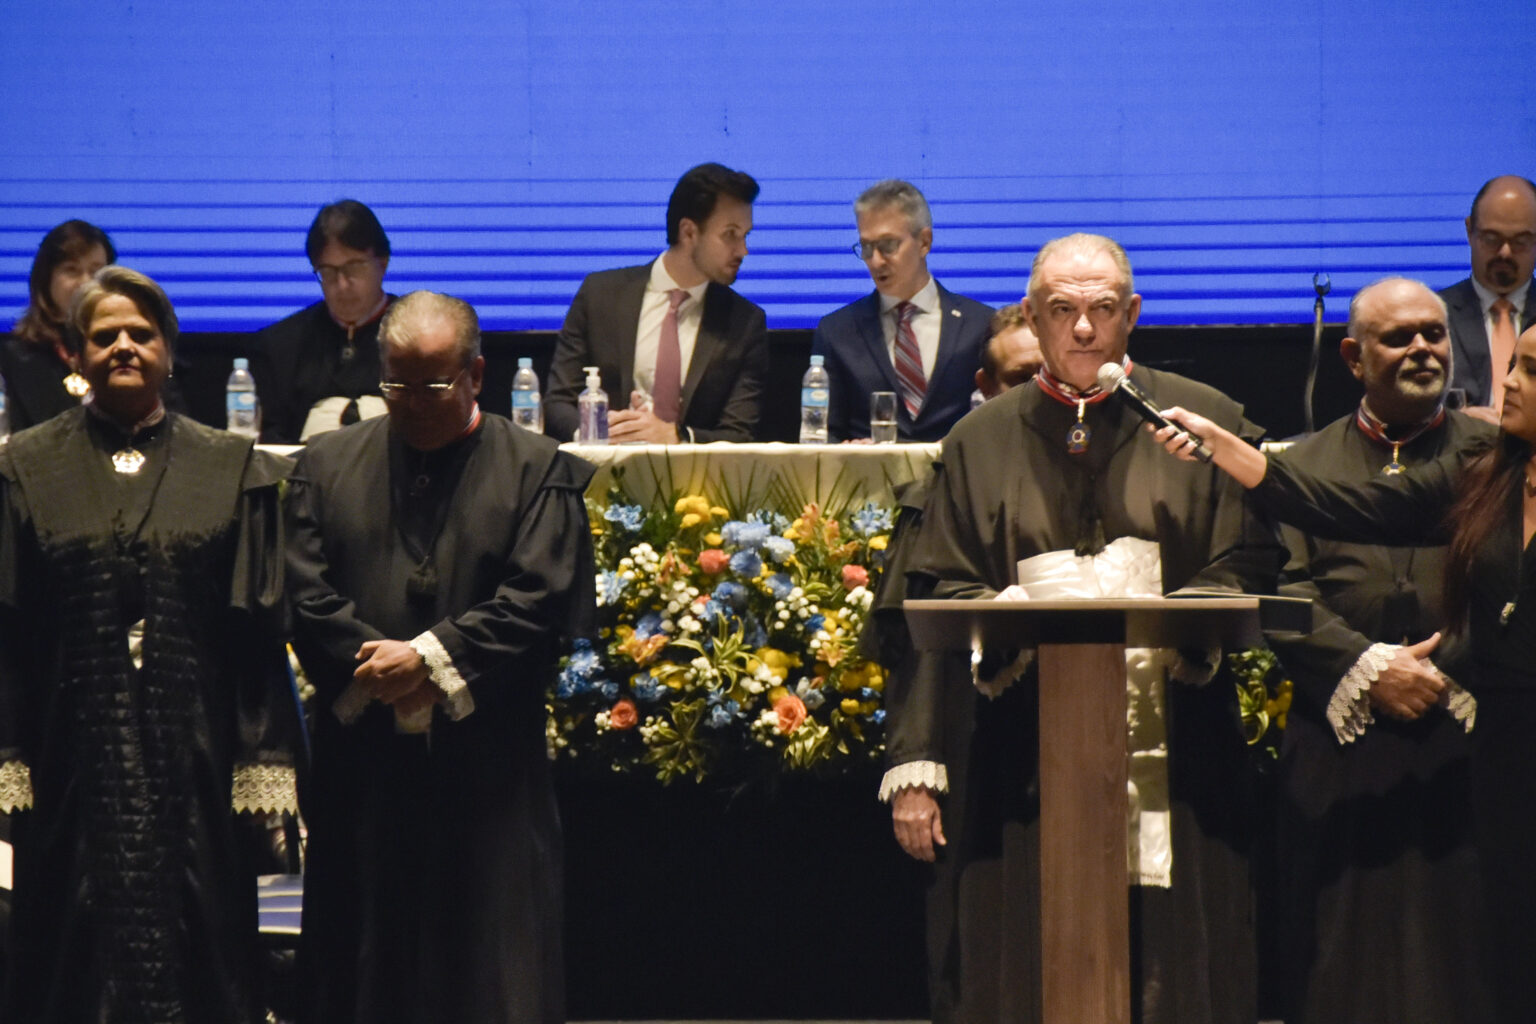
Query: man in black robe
point(1380, 887)
point(436, 555)
point(144, 693)
point(1058, 465)
point(318, 369)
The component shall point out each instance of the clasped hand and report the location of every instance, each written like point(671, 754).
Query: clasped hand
point(393, 673)
point(639, 423)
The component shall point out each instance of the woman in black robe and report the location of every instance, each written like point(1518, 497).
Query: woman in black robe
point(143, 695)
point(1481, 498)
point(41, 378)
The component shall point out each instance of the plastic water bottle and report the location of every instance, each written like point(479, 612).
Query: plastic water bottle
point(815, 391)
point(592, 406)
point(241, 413)
point(5, 420)
point(527, 406)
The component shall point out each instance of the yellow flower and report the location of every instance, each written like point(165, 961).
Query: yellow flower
point(850, 706)
point(718, 512)
point(692, 519)
point(694, 504)
point(878, 542)
point(776, 694)
point(714, 540)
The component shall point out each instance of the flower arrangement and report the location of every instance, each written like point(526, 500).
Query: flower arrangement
point(1263, 698)
point(727, 641)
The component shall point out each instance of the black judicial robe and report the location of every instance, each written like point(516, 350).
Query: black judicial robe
point(433, 884)
point(1380, 887)
point(1500, 671)
point(1008, 489)
point(135, 895)
point(306, 357)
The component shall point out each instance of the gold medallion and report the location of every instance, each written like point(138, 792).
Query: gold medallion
point(128, 461)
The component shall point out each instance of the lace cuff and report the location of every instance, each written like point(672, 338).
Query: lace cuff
point(264, 788)
point(15, 786)
point(1461, 704)
point(914, 775)
point(444, 676)
point(1349, 709)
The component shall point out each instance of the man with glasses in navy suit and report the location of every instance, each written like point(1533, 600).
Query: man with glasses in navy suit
point(1490, 309)
point(911, 335)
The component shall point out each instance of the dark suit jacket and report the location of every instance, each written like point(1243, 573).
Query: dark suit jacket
point(858, 361)
point(722, 395)
point(1469, 341)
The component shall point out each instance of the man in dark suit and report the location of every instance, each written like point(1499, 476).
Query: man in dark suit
point(910, 335)
point(1490, 309)
point(682, 356)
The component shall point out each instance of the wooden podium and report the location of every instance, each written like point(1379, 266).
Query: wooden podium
point(1080, 644)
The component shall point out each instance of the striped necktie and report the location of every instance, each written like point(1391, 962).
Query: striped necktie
point(909, 360)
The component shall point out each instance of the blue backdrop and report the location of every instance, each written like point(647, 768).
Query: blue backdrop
point(510, 147)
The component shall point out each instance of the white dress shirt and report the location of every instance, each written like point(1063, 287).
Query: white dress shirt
point(925, 324)
point(653, 311)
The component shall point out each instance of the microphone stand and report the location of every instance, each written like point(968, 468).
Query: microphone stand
point(1322, 286)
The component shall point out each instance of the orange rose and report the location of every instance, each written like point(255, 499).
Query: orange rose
point(623, 715)
point(791, 712)
point(713, 560)
point(855, 576)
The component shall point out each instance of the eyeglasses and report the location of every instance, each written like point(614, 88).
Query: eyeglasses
point(886, 247)
point(394, 389)
point(1517, 243)
point(352, 270)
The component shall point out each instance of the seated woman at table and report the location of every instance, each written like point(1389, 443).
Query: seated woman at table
point(1482, 500)
point(144, 697)
point(41, 378)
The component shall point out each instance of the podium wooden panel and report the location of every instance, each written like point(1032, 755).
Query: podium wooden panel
point(1084, 902)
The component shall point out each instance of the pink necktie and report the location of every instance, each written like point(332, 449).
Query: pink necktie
point(666, 389)
point(909, 360)
point(1502, 348)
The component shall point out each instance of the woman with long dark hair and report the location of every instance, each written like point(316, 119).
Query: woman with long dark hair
point(40, 371)
point(1480, 500)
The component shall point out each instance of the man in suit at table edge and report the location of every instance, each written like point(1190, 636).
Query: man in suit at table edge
point(1490, 309)
point(681, 355)
point(910, 335)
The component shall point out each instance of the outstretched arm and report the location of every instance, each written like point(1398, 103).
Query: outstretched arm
point(1241, 460)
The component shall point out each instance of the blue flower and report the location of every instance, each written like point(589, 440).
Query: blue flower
point(648, 689)
point(571, 684)
point(626, 517)
point(870, 520)
point(723, 712)
point(877, 716)
point(865, 693)
point(815, 622)
point(583, 660)
point(613, 586)
point(732, 595)
point(746, 563)
point(713, 611)
point(754, 635)
point(776, 522)
point(648, 625)
point(779, 585)
point(812, 697)
point(607, 687)
point(748, 536)
point(779, 549)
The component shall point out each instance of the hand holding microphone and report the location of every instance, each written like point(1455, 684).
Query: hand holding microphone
point(1112, 378)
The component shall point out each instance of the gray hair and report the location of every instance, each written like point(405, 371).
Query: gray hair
point(1086, 245)
point(147, 296)
point(406, 318)
point(1354, 303)
point(898, 194)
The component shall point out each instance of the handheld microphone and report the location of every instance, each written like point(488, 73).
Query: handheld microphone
point(1112, 378)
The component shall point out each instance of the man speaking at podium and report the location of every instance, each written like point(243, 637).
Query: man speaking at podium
point(1076, 479)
